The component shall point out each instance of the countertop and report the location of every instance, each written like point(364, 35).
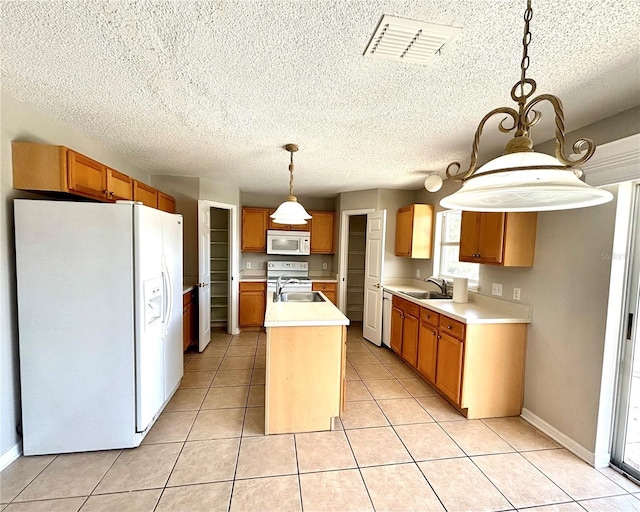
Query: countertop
point(479, 310)
point(302, 314)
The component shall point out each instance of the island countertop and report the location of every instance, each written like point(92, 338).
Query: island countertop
point(302, 314)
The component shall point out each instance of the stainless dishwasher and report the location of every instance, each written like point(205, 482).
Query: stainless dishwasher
point(386, 318)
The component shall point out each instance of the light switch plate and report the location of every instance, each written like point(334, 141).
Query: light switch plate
point(417, 272)
point(496, 289)
point(324, 266)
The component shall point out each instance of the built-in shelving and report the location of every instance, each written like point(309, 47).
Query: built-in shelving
point(355, 267)
point(219, 266)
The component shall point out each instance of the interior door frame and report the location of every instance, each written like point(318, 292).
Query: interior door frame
point(234, 261)
point(344, 254)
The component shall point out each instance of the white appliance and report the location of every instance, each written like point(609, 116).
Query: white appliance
point(100, 323)
point(291, 243)
point(298, 270)
point(387, 298)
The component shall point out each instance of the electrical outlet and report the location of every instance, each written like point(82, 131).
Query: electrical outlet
point(417, 272)
point(248, 265)
point(324, 266)
point(496, 289)
point(516, 294)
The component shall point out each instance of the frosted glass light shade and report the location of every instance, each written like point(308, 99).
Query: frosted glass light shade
point(290, 212)
point(524, 190)
point(433, 183)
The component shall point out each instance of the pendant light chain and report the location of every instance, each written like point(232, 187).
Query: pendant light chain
point(291, 175)
point(523, 128)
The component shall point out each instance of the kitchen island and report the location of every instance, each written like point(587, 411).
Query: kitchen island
point(305, 367)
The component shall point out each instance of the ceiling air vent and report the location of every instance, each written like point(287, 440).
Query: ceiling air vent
point(402, 39)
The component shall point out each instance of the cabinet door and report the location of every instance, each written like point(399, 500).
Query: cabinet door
point(86, 176)
point(469, 236)
point(145, 193)
point(321, 227)
point(187, 313)
point(410, 332)
point(329, 289)
point(252, 304)
point(119, 186)
point(281, 227)
point(166, 203)
point(449, 366)
point(427, 351)
point(254, 229)
point(404, 231)
point(397, 317)
point(491, 237)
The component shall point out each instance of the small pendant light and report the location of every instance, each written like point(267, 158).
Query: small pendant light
point(290, 211)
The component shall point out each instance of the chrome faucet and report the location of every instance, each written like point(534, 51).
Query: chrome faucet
point(439, 281)
point(280, 284)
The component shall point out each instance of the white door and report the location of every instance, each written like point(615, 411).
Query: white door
point(373, 269)
point(151, 304)
point(172, 270)
point(204, 275)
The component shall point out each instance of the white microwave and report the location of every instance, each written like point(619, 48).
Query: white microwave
point(291, 243)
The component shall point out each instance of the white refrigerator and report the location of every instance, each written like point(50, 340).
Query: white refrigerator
point(99, 290)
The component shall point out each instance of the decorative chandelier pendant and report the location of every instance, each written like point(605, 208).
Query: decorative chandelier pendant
point(290, 211)
point(521, 179)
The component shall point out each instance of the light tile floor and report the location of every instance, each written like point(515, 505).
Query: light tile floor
point(402, 448)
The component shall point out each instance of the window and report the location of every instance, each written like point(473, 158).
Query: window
point(447, 247)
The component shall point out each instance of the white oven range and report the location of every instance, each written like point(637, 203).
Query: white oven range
point(298, 270)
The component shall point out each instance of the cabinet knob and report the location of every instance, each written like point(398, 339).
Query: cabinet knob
point(439, 337)
point(448, 327)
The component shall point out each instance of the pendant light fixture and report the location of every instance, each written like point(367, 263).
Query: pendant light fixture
point(523, 180)
point(290, 211)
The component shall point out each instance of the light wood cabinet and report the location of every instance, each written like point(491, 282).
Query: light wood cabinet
point(145, 194)
point(329, 289)
point(414, 231)
point(498, 238)
point(282, 227)
point(321, 227)
point(428, 344)
point(50, 168)
point(254, 229)
point(478, 368)
point(405, 329)
point(189, 318)
point(166, 202)
point(86, 176)
point(119, 186)
point(252, 304)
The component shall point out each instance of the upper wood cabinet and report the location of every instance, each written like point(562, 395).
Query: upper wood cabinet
point(144, 193)
point(254, 229)
point(86, 176)
point(166, 202)
point(414, 231)
point(498, 238)
point(321, 227)
point(49, 168)
point(256, 221)
point(119, 186)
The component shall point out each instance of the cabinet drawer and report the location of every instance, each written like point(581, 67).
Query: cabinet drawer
point(324, 287)
point(398, 302)
point(452, 327)
point(412, 309)
point(429, 317)
point(253, 286)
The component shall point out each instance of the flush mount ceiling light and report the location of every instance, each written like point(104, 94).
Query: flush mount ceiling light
point(522, 180)
point(290, 211)
point(433, 182)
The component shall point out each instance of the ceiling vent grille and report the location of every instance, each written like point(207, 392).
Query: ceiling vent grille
point(406, 40)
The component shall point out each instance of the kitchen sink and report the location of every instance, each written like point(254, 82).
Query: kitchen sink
point(426, 295)
point(301, 297)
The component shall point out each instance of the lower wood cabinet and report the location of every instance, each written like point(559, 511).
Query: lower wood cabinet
point(329, 289)
point(189, 318)
point(252, 303)
point(478, 368)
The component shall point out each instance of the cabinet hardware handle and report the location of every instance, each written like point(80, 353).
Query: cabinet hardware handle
point(448, 327)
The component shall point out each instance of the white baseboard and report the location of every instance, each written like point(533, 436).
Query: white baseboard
point(10, 455)
point(564, 440)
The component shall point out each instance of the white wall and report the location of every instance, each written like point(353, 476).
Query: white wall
point(21, 122)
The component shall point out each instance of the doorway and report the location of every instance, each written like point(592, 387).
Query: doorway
point(219, 267)
point(626, 442)
point(355, 267)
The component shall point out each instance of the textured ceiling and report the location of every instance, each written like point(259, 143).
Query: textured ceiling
point(215, 88)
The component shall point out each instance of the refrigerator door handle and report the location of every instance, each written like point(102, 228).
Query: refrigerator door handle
point(168, 295)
